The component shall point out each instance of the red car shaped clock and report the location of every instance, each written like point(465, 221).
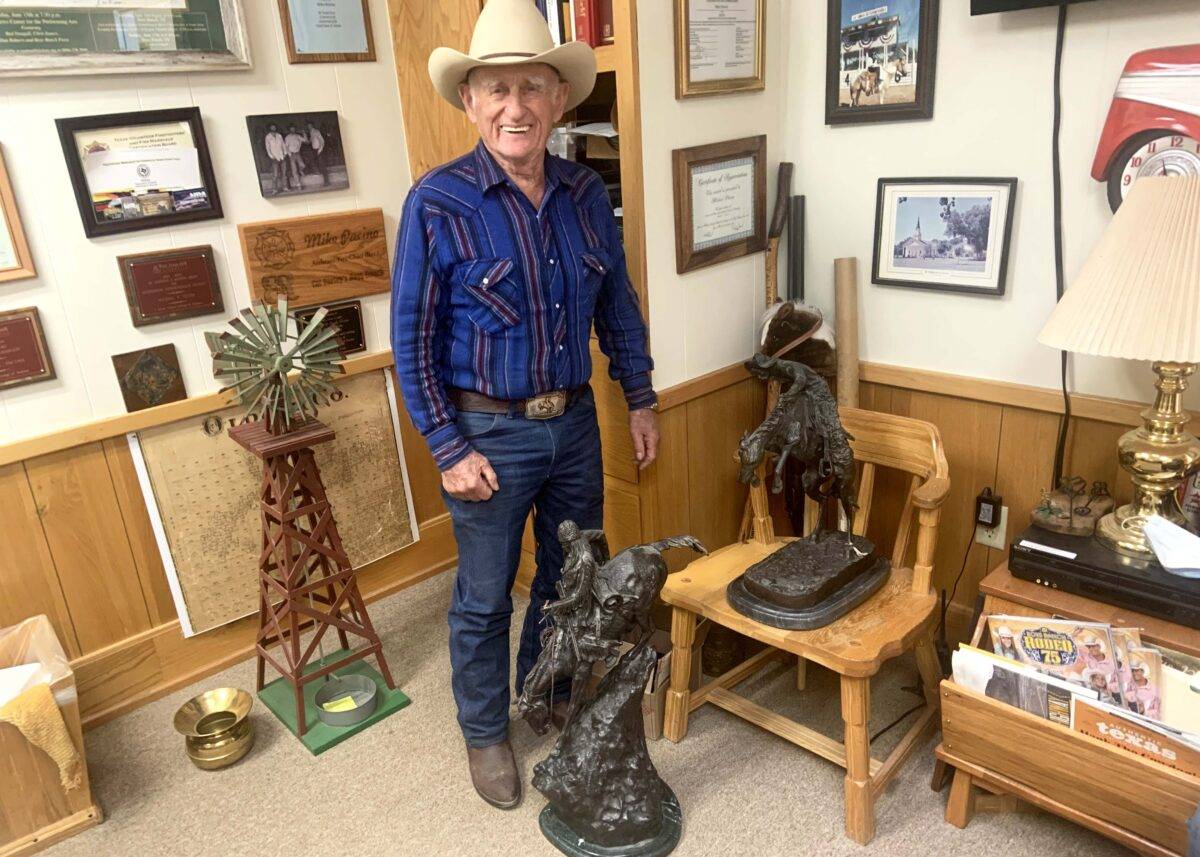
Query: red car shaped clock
point(1153, 125)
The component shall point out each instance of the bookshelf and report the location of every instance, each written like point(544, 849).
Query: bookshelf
point(606, 58)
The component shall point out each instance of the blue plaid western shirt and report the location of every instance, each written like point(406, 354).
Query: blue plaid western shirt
point(492, 295)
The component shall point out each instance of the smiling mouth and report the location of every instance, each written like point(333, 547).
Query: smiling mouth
point(515, 129)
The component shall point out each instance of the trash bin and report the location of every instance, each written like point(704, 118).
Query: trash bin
point(45, 795)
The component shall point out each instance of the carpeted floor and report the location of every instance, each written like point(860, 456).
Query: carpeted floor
point(401, 787)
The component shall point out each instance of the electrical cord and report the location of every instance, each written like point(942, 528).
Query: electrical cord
point(941, 629)
point(1059, 284)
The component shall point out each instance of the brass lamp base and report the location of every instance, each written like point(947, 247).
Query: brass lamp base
point(1157, 455)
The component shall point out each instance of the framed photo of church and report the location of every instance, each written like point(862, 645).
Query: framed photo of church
point(880, 59)
point(946, 234)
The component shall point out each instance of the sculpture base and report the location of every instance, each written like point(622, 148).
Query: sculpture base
point(569, 842)
point(807, 572)
point(818, 615)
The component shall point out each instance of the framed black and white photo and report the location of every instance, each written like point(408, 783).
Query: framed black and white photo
point(139, 170)
point(947, 234)
point(720, 201)
point(880, 59)
point(298, 153)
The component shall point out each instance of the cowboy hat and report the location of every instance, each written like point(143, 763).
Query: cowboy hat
point(513, 32)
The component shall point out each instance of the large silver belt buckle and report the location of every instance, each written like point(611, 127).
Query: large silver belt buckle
point(546, 406)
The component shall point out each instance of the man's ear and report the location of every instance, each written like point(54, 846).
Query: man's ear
point(464, 95)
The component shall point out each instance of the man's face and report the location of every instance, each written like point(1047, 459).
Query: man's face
point(273, 129)
point(515, 108)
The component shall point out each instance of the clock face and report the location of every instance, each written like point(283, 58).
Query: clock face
point(1168, 155)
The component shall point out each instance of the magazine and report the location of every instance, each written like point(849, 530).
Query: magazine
point(1079, 652)
point(1136, 734)
point(1015, 684)
point(1145, 690)
point(1125, 639)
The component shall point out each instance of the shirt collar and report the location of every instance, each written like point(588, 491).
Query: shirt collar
point(489, 173)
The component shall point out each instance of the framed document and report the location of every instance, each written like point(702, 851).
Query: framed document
point(139, 170)
point(24, 357)
point(317, 259)
point(945, 234)
point(327, 30)
point(720, 202)
point(879, 60)
point(167, 285)
point(16, 263)
point(108, 36)
point(719, 46)
point(346, 321)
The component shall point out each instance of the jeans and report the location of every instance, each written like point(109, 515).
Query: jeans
point(553, 467)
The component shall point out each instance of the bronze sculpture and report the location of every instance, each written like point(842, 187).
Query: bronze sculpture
point(605, 796)
point(813, 580)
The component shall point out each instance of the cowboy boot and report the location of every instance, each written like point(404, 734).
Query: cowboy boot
point(494, 774)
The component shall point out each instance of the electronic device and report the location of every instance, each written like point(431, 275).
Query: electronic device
point(1081, 565)
point(986, 7)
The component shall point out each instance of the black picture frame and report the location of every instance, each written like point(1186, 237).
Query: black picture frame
point(329, 161)
point(1008, 184)
point(926, 67)
point(93, 225)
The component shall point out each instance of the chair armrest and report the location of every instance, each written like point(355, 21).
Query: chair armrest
point(932, 493)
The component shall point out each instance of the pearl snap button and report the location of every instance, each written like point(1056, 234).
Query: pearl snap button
point(485, 281)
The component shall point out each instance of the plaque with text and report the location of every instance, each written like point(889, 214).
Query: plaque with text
point(346, 321)
point(171, 284)
point(318, 259)
point(149, 377)
point(24, 357)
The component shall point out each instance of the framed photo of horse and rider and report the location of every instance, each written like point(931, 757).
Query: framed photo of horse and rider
point(880, 60)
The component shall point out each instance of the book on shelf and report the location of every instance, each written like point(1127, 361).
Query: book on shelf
point(1140, 735)
point(593, 21)
point(552, 11)
point(1017, 684)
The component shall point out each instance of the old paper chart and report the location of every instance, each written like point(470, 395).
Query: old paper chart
point(205, 487)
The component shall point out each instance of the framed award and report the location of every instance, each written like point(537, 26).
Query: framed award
point(139, 170)
point(16, 263)
point(24, 357)
point(720, 47)
point(720, 202)
point(328, 31)
point(167, 285)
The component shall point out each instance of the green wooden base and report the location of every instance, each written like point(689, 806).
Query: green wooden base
point(279, 698)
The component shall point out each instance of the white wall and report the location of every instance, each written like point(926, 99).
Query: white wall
point(78, 289)
point(992, 117)
point(705, 319)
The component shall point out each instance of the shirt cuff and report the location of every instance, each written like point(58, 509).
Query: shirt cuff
point(638, 392)
point(447, 445)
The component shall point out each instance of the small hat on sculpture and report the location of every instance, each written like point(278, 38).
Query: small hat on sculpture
point(511, 32)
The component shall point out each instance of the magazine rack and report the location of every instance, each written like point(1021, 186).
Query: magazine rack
point(1137, 802)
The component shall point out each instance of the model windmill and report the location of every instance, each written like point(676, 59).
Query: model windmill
point(281, 372)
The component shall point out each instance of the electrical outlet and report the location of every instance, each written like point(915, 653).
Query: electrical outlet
point(993, 537)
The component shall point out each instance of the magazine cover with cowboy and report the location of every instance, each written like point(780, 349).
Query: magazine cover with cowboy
point(1080, 652)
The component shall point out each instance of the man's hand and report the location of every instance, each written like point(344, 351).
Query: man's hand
point(473, 479)
point(643, 425)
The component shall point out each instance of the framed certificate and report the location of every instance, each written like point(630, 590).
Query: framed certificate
point(327, 30)
point(719, 47)
point(720, 202)
point(15, 261)
point(108, 36)
point(24, 357)
point(168, 285)
point(139, 170)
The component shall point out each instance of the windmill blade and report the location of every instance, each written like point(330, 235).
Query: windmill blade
point(247, 332)
point(265, 340)
point(313, 326)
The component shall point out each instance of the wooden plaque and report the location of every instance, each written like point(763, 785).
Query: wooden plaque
point(24, 357)
point(317, 259)
point(149, 377)
point(171, 284)
point(346, 320)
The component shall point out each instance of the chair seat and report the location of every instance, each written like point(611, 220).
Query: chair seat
point(882, 627)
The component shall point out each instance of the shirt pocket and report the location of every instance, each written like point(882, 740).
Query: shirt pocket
point(485, 291)
point(595, 267)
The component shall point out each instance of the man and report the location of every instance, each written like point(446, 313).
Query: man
point(317, 140)
point(293, 142)
point(273, 143)
point(505, 259)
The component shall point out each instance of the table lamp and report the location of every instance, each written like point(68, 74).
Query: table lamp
point(1138, 297)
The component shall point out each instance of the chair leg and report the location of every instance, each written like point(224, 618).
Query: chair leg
point(860, 807)
point(960, 806)
point(683, 636)
point(929, 668)
point(801, 672)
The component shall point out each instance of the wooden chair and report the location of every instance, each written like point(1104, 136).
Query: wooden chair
point(898, 617)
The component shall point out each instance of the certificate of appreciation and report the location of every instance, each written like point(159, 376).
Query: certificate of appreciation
point(722, 203)
point(328, 26)
point(722, 39)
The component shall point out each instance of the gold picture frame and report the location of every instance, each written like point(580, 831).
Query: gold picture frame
point(723, 31)
point(16, 262)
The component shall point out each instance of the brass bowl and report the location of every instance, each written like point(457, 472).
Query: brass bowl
point(216, 727)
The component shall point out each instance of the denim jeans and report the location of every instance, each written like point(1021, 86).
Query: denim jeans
point(553, 467)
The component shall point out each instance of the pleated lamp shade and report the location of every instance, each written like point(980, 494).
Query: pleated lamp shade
point(1138, 294)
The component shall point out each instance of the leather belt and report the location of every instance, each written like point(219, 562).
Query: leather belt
point(543, 407)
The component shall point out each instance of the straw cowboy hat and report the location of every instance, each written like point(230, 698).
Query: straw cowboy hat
point(511, 32)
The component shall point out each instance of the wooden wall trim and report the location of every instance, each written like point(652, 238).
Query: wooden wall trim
point(719, 379)
point(146, 666)
point(118, 425)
